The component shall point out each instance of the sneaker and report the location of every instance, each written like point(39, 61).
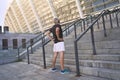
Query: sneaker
point(54, 69)
point(64, 71)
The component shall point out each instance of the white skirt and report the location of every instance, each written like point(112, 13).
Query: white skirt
point(58, 47)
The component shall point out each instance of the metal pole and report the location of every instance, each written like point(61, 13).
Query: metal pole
point(105, 34)
point(81, 27)
point(75, 31)
point(84, 24)
point(31, 49)
point(18, 54)
point(44, 60)
point(77, 59)
point(98, 24)
point(117, 20)
point(91, 18)
point(43, 50)
point(66, 30)
point(110, 21)
point(93, 42)
point(28, 55)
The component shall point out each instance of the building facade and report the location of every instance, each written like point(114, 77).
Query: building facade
point(32, 16)
point(11, 41)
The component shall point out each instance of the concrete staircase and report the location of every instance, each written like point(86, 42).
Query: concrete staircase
point(106, 64)
point(8, 56)
point(103, 66)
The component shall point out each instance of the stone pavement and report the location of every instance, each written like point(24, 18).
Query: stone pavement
point(24, 71)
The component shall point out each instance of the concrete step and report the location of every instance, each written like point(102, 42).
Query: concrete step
point(104, 57)
point(105, 47)
point(98, 51)
point(8, 60)
point(107, 23)
point(88, 77)
point(91, 63)
point(105, 65)
point(96, 64)
point(98, 72)
point(100, 61)
point(105, 73)
point(95, 73)
point(99, 45)
point(7, 57)
point(101, 28)
point(95, 57)
point(112, 34)
point(86, 42)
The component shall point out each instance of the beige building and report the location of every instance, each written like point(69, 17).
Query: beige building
point(32, 16)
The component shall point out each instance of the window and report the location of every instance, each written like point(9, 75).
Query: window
point(23, 43)
point(15, 44)
point(6, 29)
point(4, 44)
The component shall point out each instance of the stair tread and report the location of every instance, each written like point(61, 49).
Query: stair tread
point(103, 70)
point(88, 77)
point(95, 61)
point(93, 68)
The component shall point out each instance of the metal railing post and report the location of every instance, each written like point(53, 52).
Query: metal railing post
point(76, 59)
point(44, 60)
point(43, 50)
point(84, 25)
point(31, 49)
point(91, 19)
point(105, 34)
point(93, 41)
point(18, 54)
point(65, 30)
point(87, 21)
point(75, 31)
point(117, 20)
point(81, 27)
point(68, 31)
point(98, 25)
point(28, 55)
point(111, 21)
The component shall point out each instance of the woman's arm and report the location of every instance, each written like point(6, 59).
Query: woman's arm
point(49, 36)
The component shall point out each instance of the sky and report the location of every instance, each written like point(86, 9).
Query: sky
point(3, 8)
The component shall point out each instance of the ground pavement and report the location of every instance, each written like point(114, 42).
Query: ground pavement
point(24, 71)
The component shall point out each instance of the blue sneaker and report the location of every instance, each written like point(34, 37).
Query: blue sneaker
point(54, 69)
point(64, 71)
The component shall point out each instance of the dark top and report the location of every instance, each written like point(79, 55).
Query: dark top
point(53, 31)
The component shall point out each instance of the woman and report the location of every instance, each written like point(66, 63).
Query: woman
point(58, 47)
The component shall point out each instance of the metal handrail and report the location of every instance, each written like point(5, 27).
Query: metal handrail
point(42, 37)
point(78, 38)
point(45, 42)
point(30, 45)
point(101, 15)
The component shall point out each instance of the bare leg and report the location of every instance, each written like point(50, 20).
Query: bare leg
point(54, 59)
point(62, 60)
